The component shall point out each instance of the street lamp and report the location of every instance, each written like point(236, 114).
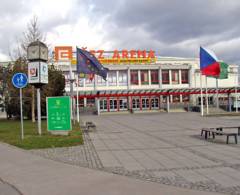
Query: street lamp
point(37, 55)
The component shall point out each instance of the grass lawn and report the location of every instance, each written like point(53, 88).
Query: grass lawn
point(10, 131)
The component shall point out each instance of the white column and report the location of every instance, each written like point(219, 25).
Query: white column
point(97, 105)
point(128, 78)
point(149, 78)
point(84, 82)
point(180, 76)
point(160, 77)
point(170, 77)
point(95, 82)
point(139, 78)
point(168, 106)
point(117, 75)
point(181, 99)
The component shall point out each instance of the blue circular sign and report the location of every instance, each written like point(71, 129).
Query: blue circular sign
point(19, 80)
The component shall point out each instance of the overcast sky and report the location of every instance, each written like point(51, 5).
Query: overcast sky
point(170, 27)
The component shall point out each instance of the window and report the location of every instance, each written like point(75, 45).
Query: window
point(184, 76)
point(134, 77)
point(90, 102)
point(88, 82)
point(176, 98)
point(165, 76)
point(175, 77)
point(144, 77)
point(154, 77)
point(112, 78)
point(100, 81)
point(185, 98)
point(80, 82)
point(122, 77)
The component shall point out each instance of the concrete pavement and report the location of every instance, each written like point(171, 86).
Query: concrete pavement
point(34, 175)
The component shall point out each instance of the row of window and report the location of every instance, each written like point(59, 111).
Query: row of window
point(121, 78)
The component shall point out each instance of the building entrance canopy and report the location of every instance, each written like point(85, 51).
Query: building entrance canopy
point(156, 92)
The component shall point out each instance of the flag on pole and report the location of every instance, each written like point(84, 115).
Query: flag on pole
point(209, 64)
point(223, 71)
point(87, 63)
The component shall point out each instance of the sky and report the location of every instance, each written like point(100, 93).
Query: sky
point(170, 27)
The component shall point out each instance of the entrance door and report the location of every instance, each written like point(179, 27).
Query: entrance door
point(145, 103)
point(155, 103)
point(113, 104)
point(135, 103)
point(123, 104)
point(103, 105)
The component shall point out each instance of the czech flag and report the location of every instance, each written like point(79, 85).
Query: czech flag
point(209, 64)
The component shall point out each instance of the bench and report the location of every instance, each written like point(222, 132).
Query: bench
point(90, 125)
point(234, 127)
point(217, 131)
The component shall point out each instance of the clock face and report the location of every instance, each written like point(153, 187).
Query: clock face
point(44, 53)
point(33, 52)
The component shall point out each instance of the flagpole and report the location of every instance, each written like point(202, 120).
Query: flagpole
point(236, 101)
point(71, 92)
point(217, 93)
point(201, 94)
point(78, 99)
point(206, 94)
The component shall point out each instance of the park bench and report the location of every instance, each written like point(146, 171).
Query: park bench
point(234, 127)
point(218, 131)
point(90, 125)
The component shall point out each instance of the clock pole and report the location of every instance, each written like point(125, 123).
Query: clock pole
point(37, 54)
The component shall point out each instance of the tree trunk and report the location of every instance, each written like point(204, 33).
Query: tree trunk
point(33, 104)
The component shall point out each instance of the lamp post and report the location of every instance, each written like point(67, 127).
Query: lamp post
point(37, 55)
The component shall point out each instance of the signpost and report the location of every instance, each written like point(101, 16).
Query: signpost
point(19, 80)
point(59, 115)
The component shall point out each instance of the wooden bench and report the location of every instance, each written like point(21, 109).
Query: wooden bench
point(214, 132)
point(90, 125)
point(234, 127)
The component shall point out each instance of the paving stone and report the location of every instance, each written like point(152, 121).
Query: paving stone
point(164, 148)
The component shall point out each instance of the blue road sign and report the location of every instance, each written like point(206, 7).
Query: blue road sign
point(19, 80)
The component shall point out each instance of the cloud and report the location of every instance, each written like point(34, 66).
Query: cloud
point(172, 28)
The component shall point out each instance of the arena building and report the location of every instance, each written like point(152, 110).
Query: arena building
point(139, 80)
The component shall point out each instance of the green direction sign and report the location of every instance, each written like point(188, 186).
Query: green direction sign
point(59, 113)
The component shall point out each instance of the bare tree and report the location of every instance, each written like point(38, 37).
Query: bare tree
point(31, 34)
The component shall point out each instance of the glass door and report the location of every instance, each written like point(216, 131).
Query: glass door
point(135, 103)
point(155, 103)
point(103, 105)
point(113, 105)
point(145, 103)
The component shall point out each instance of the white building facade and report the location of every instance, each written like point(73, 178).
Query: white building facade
point(144, 84)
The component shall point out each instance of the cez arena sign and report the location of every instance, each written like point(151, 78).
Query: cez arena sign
point(65, 53)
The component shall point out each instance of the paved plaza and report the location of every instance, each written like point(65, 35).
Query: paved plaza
point(159, 147)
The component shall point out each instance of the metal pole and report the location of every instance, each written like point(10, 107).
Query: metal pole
point(236, 98)
point(39, 111)
point(201, 95)
point(206, 95)
point(217, 102)
point(77, 101)
point(21, 113)
point(71, 92)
